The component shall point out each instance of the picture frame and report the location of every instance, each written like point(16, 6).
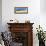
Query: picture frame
point(21, 10)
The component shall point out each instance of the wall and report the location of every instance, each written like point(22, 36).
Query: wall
point(0, 15)
point(35, 14)
point(8, 10)
point(43, 14)
point(43, 6)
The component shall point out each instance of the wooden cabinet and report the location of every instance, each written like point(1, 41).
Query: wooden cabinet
point(22, 33)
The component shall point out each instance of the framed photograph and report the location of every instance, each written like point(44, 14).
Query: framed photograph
point(21, 10)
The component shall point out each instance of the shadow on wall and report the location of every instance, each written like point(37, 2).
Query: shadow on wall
point(0, 15)
point(0, 24)
point(43, 6)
